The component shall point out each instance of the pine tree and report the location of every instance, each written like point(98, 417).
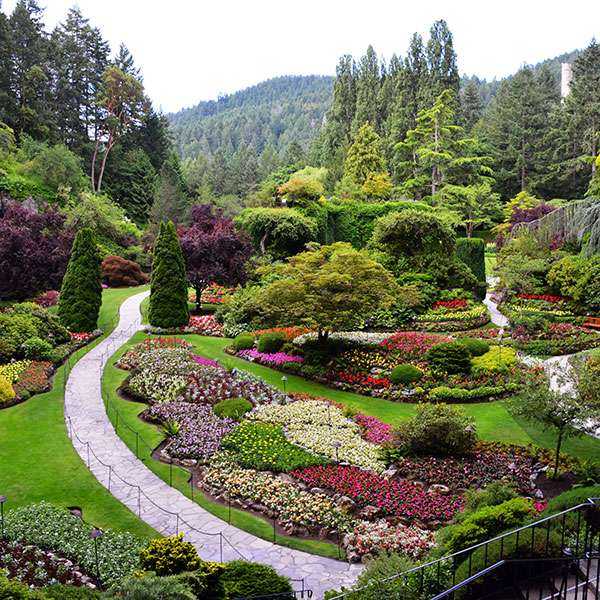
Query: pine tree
point(170, 199)
point(367, 91)
point(124, 61)
point(81, 291)
point(365, 156)
point(471, 106)
point(7, 100)
point(441, 61)
point(169, 287)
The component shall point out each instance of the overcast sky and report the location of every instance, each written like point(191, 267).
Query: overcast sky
point(191, 50)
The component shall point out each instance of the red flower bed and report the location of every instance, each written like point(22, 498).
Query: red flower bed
point(413, 344)
point(34, 379)
point(361, 379)
point(374, 430)
point(395, 498)
point(544, 297)
point(288, 332)
point(488, 463)
point(452, 304)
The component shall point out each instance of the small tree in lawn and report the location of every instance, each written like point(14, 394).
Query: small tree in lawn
point(168, 288)
point(81, 292)
point(214, 251)
point(560, 407)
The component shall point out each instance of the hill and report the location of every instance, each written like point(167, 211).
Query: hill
point(272, 113)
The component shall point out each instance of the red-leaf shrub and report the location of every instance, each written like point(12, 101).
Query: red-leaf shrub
point(452, 304)
point(47, 299)
point(400, 498)
point(120, 272)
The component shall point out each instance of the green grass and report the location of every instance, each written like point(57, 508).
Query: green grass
point(38, 460)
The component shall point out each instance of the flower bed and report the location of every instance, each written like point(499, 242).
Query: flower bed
point(454, 321)
point(205, 362)
point(57, 530)
point(199, 433)
point(35, 379)
point(214, 294)
point(289, 333)
point(200, 325)
point(411, 345)
point(132, 359)
point(276, 359)
point(555, 339)
point(35, 567)
point(489, 462)
point(367, 539)
point(390, 497)
point(374, 430)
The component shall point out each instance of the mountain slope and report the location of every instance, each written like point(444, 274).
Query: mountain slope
point(274, 112)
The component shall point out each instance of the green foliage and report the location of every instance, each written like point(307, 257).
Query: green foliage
point(10, 589)
point(271, 342)
point(244, 579)
point(70, 592)
point(497, 360)
point(58, 168)
point(304, 185)
point(169, 289)
point(438, 429)
point(81, 291)
point(449, 357)
point(565, 274)
point(7, 393)
point(152, 587)
point(494, 493)
point(243, 341)
point(264, 447)
point(365, 155)
point(170, 556)
point(485, 523)
point(36, 348)
point(232, 408)
point(405, 374)
point(472, 252)
point(571, 498)
point(281, 231)
point(444, 393)
point(475, 346)
point(587, 290)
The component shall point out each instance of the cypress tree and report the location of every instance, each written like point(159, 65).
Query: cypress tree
point(81, 292)
point(168, 289)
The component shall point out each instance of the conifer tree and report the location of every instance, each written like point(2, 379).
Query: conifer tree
point(441, 61)
point(81, 291)
point(365, 156)
point(367, 91)
point(471, 106)
point(169, 287)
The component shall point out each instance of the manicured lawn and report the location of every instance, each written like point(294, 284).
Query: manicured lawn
point(39, 462)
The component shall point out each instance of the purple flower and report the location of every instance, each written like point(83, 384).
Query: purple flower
point(206, 362)
point(276, 359)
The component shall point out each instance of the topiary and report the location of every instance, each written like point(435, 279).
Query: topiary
point(7, 393)
point(81, 291)
point(36, 348)
point(449, 357)
point(471, 251)
point(245, 579)
point(271, 342)
point(437, 429)
point(476, 347)
point(232, 408)
point(170, 556)
point(405, 374)
point(169, 288)
point(243, 341)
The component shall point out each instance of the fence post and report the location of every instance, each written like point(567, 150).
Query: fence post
point(229, 507)
point(221, 546)
point(274, 530)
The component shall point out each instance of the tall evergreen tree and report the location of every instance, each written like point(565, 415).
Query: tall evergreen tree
point(81, 291)
point(170, 198)
point(365, 155)
point(169, 287)
point(124, 61)
point(7, 100)
point(441, 61)
point(471, 106)
point(367, 91)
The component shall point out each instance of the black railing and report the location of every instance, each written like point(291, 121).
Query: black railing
point(571, 535)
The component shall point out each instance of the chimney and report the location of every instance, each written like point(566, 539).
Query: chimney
point(566, 76)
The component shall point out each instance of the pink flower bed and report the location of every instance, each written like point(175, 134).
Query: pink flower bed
point(206, 362)
point(374, 430)
point(400, 498)
point(81, 337)
point(204, 325)
point(275, 359)
point(412, 344)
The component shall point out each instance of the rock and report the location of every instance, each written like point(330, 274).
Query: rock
point(301, 531)
point(316, 490)
point(391, 472)
point(323, 533)
point(286, 478)
point(439, 488)
point(345, 502)
point(188, 462)
point(539, 494)
point(368, 512)
point(352, 556)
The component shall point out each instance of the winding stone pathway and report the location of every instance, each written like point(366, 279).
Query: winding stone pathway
point(147, 495)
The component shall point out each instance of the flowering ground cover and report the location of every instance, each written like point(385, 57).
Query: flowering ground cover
point(198, 324)
point(214, 294)
point(270, 359)
point(391, 497)
point(289, 333)
point(412, 344)
point(554, 339)
point(198, 430)
point(442, 319)
point(374, 430)
point(34, 379)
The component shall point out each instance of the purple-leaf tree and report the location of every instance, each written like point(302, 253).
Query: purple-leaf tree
point(215, 252)
point(34, 250)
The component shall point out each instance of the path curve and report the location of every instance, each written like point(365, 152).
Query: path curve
point(88, 422)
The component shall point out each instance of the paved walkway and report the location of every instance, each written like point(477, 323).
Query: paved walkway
point(161, 506)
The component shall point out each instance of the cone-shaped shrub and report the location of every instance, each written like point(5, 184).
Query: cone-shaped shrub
point(169, 287)
point(81, 292)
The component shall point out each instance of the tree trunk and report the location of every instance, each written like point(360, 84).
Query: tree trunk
point(263, 241)
point(103, 165)
point(93, 168)
point(199, 291)
point(469, 229)
point(557, 457)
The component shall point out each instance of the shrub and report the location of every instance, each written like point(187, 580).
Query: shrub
point(7, 393)
point(587, 290)
point(244, 579)
point(120, 272)
point(405, 374)
point(444, 393)
point(70, 592)
point(169, 288)
point(571, 498)
point(497, 360)
point(270, 342)
point(485, 523)
point(81, 292)
point(151, 587)
point(233, 408)
point(438, 429)
point(243, 341)
point(472, 252)
point(47, 299)
point(11, 589)
point(493, 494)
point(476, 347)
point(449, 357)
point(170, 556)
point(36, 348)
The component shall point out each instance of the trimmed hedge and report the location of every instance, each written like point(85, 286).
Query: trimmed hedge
point(405, 374)
point(472, 252)
point(271, 342)
point(244, 579)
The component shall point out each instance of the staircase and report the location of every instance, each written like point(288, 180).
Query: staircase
point(555, 558)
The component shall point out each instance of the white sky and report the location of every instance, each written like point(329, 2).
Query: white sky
point(191, 50)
